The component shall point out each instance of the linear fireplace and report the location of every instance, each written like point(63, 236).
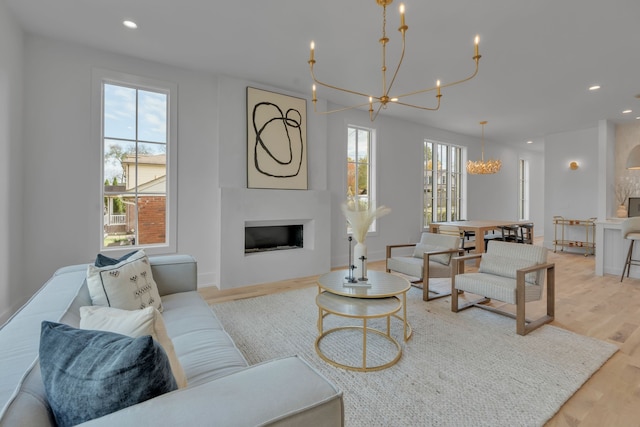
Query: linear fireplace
point(272, 238)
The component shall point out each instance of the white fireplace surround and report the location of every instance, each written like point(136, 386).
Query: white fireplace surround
point(242, 207)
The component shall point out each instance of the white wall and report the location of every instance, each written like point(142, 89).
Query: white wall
point(399, 160)
point(62, 206)
point(571, 194)
point(12, 290)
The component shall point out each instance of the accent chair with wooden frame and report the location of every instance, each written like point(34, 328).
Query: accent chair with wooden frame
point(431, 258)
point(509, 272)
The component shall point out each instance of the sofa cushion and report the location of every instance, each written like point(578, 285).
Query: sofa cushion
point(88, 374)
point(134, 323)
point(127, 285)
point(205, 349)
point(506, 266)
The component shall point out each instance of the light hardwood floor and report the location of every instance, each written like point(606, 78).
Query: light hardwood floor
point(599, 307)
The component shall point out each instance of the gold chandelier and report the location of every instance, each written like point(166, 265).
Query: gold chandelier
point(481, 167)
point(382, 100)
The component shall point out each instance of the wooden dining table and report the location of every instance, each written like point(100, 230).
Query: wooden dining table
point(479, 227)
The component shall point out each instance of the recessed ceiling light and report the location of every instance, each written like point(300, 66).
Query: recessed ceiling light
point(627, 111)
point(637, 118)
point(130, 24)
point(594, 87)
point(529, 142)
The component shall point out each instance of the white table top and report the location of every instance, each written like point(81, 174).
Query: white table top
point(383, 285)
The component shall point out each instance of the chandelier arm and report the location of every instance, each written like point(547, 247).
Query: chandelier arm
point(467, 78)
point(373, 118)
point(442, 86)
point(437, 107)
point(338, 109)
point(313, 76)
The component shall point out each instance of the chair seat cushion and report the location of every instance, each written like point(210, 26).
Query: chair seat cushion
point(413, 267)
point(421, 248)
point(495, 287)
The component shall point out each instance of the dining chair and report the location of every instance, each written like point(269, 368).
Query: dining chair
point(526, 234)
point(506, 233)
point(467, 242)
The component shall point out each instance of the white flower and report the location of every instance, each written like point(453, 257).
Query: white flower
point(360, 217)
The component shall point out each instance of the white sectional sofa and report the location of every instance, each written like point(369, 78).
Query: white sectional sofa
point(222, 389)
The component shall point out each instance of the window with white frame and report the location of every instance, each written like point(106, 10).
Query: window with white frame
point(443, 182)
point(360, 168)
point(523, 190)
point(138, 179)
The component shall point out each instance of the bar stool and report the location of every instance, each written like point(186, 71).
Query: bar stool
point(630, 230)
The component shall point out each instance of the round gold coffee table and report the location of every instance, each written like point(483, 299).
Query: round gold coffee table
point(385, 295)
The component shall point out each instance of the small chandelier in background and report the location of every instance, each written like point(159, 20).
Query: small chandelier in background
point(382, 100)
point(481, 167)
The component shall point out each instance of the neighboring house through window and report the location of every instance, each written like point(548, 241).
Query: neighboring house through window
point(361, 168)
point(443, 183)
point(138, 138)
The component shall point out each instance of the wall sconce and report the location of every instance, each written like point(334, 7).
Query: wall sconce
point(633, 161)
point(573, 166)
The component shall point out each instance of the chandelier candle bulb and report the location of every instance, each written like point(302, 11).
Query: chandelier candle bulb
point(477, 43)
point(438, 86)
point(313, 90)
point(379, 102)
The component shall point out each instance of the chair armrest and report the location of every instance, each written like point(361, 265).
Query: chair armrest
point(457, 265)
point(536, 267)
point(550, 268)
point(426, 255)
point(402, 245)
point(426, 260)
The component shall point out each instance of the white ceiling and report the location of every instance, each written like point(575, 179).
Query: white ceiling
point(538, 56)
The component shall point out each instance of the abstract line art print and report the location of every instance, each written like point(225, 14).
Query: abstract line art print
point(276, 140)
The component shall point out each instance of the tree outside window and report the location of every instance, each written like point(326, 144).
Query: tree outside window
point(135, 136)
point(360, 168)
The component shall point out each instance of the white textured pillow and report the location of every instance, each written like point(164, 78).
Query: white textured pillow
point(506, 267)
point(128, 284)
point(421, 248)
point(134, 323)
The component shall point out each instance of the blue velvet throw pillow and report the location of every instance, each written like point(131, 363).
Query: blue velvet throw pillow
point(88, 374)
point(104, 261)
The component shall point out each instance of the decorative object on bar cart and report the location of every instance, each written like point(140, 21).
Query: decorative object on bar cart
point(623, 191)
point(360, 216)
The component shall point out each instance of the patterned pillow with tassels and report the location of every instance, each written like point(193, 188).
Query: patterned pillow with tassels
point(127, 285)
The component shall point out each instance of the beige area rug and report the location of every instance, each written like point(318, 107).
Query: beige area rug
point(464, 369)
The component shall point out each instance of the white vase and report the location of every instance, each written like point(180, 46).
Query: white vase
point(622, 211)
point(359, 251)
